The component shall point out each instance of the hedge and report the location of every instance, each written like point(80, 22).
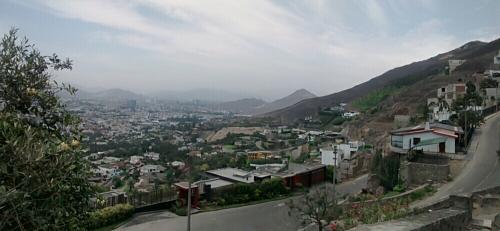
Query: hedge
point(243, 193)
point(109, 215)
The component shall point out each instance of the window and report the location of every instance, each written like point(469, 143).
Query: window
point(416, 140)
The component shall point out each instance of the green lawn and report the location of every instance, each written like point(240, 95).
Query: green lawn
point(228, 148)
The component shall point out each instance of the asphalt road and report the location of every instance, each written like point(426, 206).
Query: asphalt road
point(260, 217)
point(483, 168)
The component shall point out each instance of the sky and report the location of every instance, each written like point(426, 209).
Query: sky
point(262, 48)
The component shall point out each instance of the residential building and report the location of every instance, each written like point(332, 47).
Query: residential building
point(177, 164)
point(110, 160)
point(428, 137)
point(136, 159)
point(107, 171)
point(350, 114)
point(259, 155)
point(303, 175)
point(152, 155)
point(454, 63)
point(152, 168)
point(233, 175)
point(491, 96)
point(451, 92)
point(337, 152)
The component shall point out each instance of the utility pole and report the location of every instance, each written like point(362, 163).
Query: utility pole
point(188, 210)
point(334, 167)
point(466, 135)
point(496, 97)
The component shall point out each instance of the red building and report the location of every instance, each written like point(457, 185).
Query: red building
point(182, 193)
point(303, 175)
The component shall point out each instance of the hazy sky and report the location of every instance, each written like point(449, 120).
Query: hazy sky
point(263, 48)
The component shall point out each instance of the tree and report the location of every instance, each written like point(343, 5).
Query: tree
point(387, 169)
point(117, 182)
point(319, 205)
point(43, 177)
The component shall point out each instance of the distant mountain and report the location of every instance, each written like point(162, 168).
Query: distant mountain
point(114, 94)
point(242, 106)
point(202, 94)
point(478, 55)
point(287, 101)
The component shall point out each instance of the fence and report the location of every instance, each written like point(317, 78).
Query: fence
point(137, 199)
point(141, 199)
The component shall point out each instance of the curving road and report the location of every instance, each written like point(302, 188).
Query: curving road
point(265, 216)
point(482, 170)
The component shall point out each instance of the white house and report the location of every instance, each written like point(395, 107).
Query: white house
point(343, 151)
point(152, 155)
point(491, 96)
point(151, 168)
point(177, 164)
point(350, 114)
point(107, 172)
point(328, 156)
point(110, 160)
point(496, 58)
point(136, 159)
point(428, 137)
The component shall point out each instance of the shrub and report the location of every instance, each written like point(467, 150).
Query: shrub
point(109, 215)
point(244, 193)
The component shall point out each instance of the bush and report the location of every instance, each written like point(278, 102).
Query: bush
point(244, 193)
point(109, 215)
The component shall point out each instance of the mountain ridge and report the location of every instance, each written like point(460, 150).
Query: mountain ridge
point(406, 74)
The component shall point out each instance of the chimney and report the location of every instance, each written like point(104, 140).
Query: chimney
point(427, 126)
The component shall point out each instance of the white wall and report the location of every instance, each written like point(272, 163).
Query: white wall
point(327, 157)
point(450, 142)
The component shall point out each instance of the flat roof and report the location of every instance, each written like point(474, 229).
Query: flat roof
point(233, 174)
point(217, 183)
point(294, 169)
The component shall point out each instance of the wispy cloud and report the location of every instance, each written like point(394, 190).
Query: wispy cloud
point(271, 41)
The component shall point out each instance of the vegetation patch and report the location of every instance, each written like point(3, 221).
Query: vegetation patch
point(373, 98)
point(109, 216)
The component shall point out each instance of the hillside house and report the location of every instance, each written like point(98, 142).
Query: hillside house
point(491, 96)
point(344, 151)
point(451, 92)
point(428, 137)
point(350, 114)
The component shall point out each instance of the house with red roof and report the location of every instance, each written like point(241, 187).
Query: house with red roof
point(427, 137)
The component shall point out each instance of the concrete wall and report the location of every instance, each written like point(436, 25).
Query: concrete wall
point(420, 173)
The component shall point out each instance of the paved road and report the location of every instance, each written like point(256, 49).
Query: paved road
point(261, 217)
point(482, 170)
